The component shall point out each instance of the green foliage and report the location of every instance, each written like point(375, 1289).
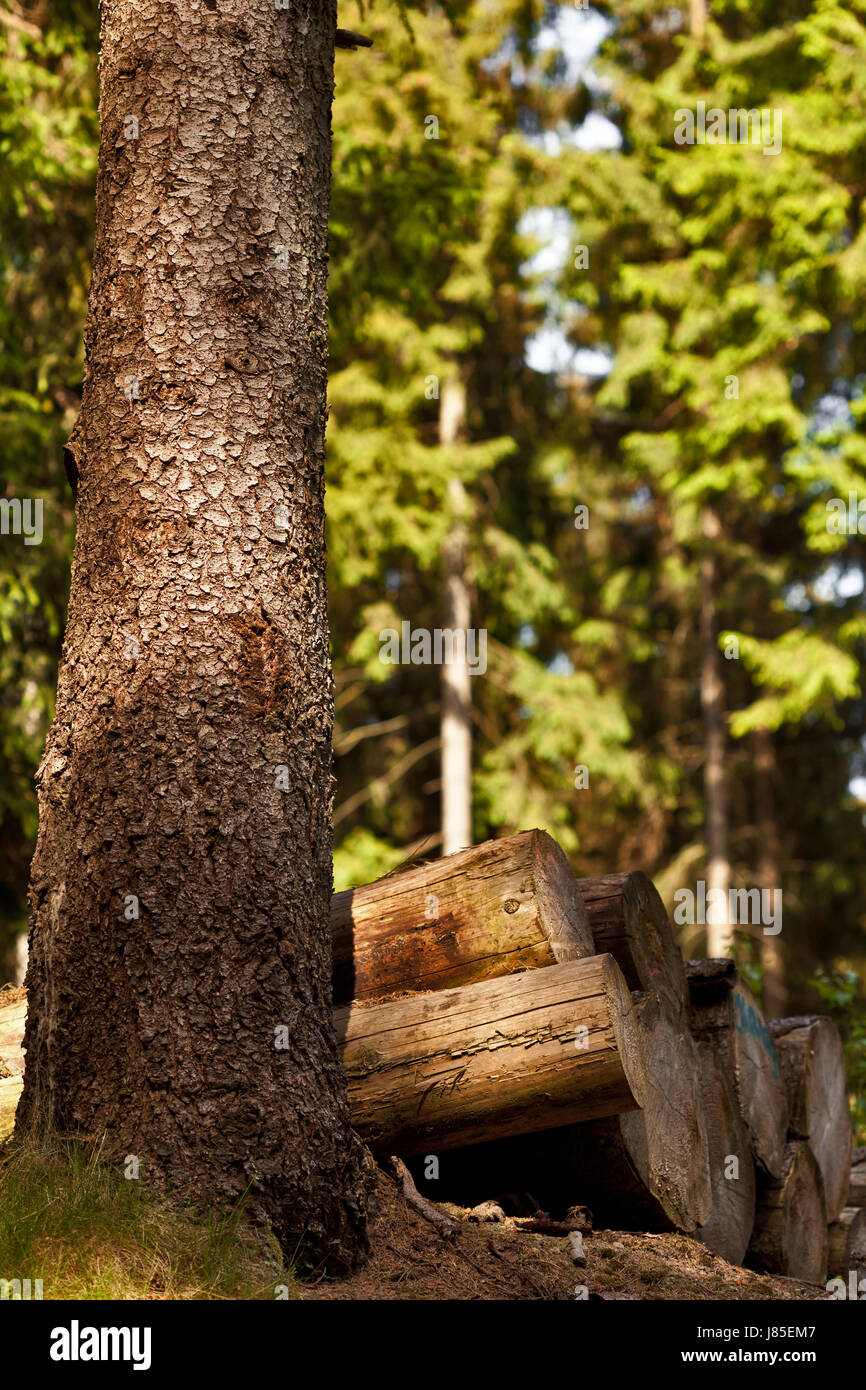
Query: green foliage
point(48, 134)
point(706, 263)
point(429, 282)
point(841, 995)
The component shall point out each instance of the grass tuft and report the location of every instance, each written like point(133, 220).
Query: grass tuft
point(87, 1232)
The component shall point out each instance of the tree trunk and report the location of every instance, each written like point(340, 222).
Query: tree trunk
point(455, 676)
point(488, 1060)
point(813, 1065)
point(728, 1229)
point(725, 1017)
point(179, 973)
point(628, 918)
point(846, 1240)
point(506, 905)
point(790, 1234)
point(719, 934)
point(775, 994)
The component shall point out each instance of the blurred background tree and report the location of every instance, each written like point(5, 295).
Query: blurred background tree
point(658, 352)
point(48, 135)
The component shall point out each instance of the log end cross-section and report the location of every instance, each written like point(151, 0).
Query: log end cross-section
point(813, 1066)
point(628, 918)
point(790, 1235)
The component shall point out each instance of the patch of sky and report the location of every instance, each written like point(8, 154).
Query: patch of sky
point(560, 665)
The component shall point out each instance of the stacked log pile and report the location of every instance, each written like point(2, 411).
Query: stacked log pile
point(543, 1034)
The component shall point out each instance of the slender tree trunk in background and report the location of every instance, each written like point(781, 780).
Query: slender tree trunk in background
point(456, 692)
point(775, 995)
point(719, 935)
point(698, 18)
point(180, 949)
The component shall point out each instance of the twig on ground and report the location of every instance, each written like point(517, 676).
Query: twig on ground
point(447, 1228)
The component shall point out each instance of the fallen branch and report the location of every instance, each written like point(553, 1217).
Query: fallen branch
point(447, 1228)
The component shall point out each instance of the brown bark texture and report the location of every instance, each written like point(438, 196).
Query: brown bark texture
point(181, 883)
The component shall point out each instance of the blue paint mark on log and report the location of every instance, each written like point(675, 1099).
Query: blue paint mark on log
point(748, 1020)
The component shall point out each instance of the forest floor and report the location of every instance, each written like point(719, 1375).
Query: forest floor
point(72, 1222)
point(498, 1261)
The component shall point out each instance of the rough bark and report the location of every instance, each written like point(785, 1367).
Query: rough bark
point(713, 708)
point(628, 918)
point(790, 1235)
point(725, 1016)
point(502, 1057)
point(504, 906)
point(775, 989)
point(813, 1066)
point(846, 1241)
point(196, 656)
point(456, 681)
point(728, 1229)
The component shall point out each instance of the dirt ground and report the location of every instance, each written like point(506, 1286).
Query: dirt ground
point(497, 1261)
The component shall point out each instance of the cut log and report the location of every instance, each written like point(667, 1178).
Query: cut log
point(628, 918)
point(504, 906)
point(10, 1092)
point(729, 1226)
point(650, 1169)
point(725, 1017)
point(13, 1012)
point(644, 1170)
point(505, 1056)
point(710, 981)
point(790, 1235)
point(846, 1239)
point(667, 1140)
point(857, 1179)
point(813, 1067)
